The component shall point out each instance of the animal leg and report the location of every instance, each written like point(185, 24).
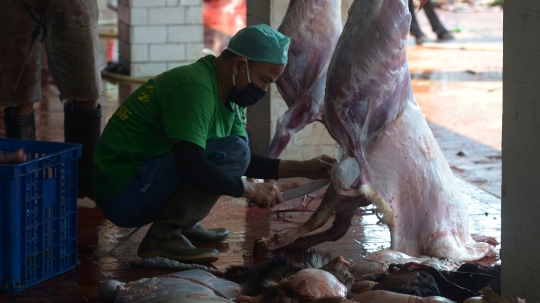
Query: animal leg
point(345, 211)
point(306, 110)
point(339, 228)
point(284, 133)
point(281, 239)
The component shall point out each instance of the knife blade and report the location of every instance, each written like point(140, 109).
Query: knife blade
point(304, 189)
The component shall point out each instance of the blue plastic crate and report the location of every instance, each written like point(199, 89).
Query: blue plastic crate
point(38, 213)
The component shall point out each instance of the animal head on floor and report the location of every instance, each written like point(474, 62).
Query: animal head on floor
point(269, 282)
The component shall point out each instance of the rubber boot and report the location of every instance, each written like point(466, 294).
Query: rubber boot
point(183, 211)
point(200, 235)
point(83, 126)
point(20, 127)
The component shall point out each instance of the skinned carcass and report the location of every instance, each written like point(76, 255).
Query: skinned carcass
point(314, 27)
point(391, 158)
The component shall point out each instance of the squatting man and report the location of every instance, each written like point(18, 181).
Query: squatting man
point(179, 142)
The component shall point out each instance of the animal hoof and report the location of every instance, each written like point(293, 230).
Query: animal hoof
point(260, 247)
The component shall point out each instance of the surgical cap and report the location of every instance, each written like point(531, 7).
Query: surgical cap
point(260, 43)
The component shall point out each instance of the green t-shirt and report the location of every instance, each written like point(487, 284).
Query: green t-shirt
point(182, 103)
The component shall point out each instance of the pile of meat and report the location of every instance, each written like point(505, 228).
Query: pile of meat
point(384, 276)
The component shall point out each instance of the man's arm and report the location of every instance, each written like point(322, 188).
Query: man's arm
point(262, 167)
point(193, 168)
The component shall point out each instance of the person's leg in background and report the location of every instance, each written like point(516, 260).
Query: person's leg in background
point(74, 60)
point(18, 20)
point(442, 33)
point(415, 27)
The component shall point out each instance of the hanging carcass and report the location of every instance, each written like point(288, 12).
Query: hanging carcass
point(314, 27)
point(391, 158)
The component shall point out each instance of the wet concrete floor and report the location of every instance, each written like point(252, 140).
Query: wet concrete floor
point(457, 84)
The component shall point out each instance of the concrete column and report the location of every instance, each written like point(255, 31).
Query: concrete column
point(314, 139)
point(158, 35)
point(521, 151)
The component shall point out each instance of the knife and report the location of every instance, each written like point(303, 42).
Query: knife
point(304, 189)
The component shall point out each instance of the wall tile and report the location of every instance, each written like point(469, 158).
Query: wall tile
point(148, 34)
point(521, 64)
point(532, 6)
point(521, 136)
point(187, 33)
point(521, 101)
point(194, 15)
point(521, 173)
point(523, 24)
point(519, 209)
point(139, 52)
point(148, 70)
point(184, 2)
point(139, 16)
point(194, 51)
point(167, 16)
point(147, 3)
point(167, 52)
point(519, 279)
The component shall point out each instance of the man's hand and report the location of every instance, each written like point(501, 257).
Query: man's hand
point(318, 168)
point(266, 195)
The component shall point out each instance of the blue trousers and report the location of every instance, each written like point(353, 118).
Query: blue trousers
point(156, 182)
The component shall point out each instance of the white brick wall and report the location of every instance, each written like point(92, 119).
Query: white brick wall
point(521, 151)
point(168, 15)
point(147, 3)
point(184, 2)
point(194, 15)
point(139, 16)
point(148, 34)
point(194, 51)
point(139, 53)
point(167, 52)
point(156, 35)
point(186, 33)
point(147, 70)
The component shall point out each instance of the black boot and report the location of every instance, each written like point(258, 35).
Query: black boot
point(82, 126)
point(20, 127)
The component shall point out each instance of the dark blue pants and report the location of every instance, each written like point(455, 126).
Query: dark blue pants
point(156, 182)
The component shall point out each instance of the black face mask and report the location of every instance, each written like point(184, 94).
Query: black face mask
point(248, 96)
